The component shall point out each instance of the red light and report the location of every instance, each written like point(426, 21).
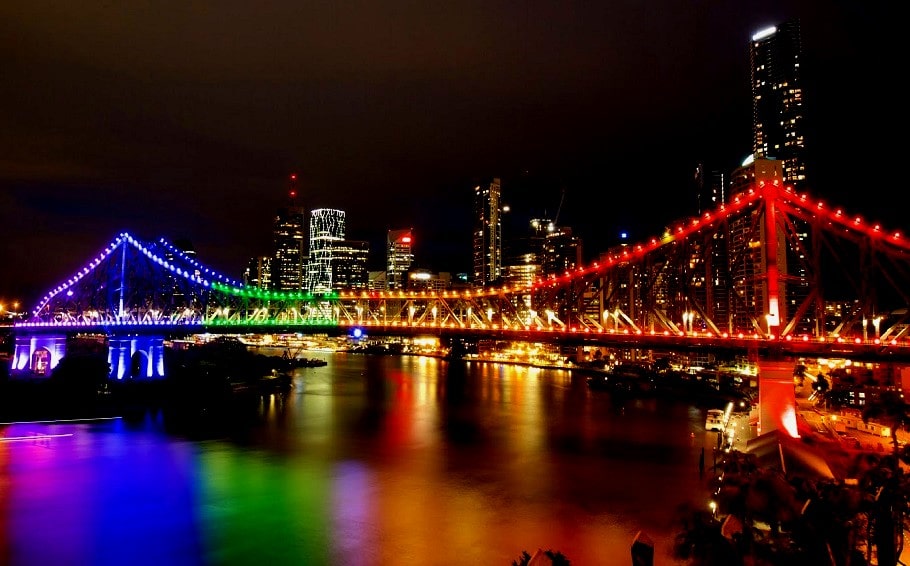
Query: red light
point(293, 176)
point(406, 240)
point(293, 194)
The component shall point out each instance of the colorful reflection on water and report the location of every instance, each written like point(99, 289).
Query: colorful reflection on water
point(368, 461)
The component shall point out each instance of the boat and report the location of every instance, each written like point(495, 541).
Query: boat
point(305, 362)
point(626, 377)
point(292, 361)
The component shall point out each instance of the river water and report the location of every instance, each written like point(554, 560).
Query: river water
point(370, 460)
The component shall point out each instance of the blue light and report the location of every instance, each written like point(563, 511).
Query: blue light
point(357, 332)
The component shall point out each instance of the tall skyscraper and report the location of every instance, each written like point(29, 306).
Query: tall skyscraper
point(779, 133)
point(326, 233)
point(399, 257)
point(778, 119)
point(487, 238)
point(287, 269)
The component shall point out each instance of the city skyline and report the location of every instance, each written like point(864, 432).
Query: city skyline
point(67, 194)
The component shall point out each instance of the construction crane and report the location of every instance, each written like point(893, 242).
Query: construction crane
point(562, 197)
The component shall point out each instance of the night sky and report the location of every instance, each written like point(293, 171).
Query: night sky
point(184, 119)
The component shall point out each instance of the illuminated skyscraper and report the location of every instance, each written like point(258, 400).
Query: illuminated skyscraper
point(326, 234)
point(779, 133)
point(288, 236)
point(778, 118)
point(398, 258)
point(487, 237)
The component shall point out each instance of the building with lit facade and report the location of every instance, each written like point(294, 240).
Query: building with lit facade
point(524, 253)
point(327, 227)
point(349, 264)
point(778, 118)
point(399, 257)
point(376, 281)
point(712, 187)
point(487, 234)
point(186, 248)
point(258, 273)
point(778, 132)
point(287, 266)
point(562, 252)
point(746, 262)
point(426, 280)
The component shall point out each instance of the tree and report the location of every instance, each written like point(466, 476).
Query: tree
point(889, 485)
point(889, 409)
point(556, 558)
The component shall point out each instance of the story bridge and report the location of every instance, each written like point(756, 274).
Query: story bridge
point(772, 273)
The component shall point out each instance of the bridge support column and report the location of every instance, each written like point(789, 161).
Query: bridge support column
point(776, 398)
point(140, 357)
point(38, 355)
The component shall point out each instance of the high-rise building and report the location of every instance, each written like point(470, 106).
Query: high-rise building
point(779, 125)
point(487, 235)
point(399, 258)
point(711, 188)
point(326, 233)
point(755, 303)
point(524, 252)
point(288, 238)
point(349, 264)
point(778, 118)
point(561, 252)
point(258, 273)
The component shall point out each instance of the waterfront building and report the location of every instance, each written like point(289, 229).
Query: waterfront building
point(287, 267)
point(399, 257)
point(778, 114)
point(349, 264)
point(487, 234)
point(327, 227)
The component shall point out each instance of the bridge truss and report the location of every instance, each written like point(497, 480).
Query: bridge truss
point(770, 264)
